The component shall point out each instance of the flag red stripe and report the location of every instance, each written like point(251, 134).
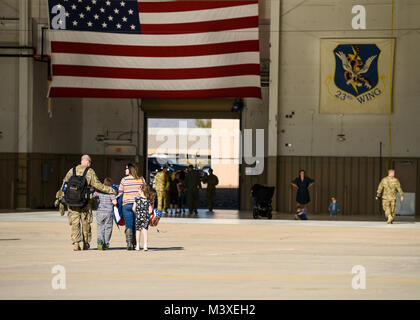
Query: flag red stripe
point(199, 27)
point(175, 6)
point(149, 51)
point(254, 92)
point(156, 74)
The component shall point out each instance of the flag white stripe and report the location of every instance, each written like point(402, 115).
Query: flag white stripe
point(154, 40)
point(199, 15)
point(130, 84)
point(152, 63)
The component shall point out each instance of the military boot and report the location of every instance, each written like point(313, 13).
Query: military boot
point(76, 247)
point(86, 246)
point(389, 219)
point(134, 239)
point(129, 238)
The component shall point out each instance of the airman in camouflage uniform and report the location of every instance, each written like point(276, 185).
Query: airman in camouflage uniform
point(193, 186)
point(212, 181)
point(388, 187)
point(161, 180)
point(84, 214)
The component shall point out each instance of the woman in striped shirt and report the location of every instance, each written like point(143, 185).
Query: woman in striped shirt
point(128, 189)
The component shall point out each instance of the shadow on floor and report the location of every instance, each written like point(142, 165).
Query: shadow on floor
point(166, 249)
point(150, 249)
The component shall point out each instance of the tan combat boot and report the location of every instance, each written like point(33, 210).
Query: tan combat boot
point(76, 247)
point(389, 219)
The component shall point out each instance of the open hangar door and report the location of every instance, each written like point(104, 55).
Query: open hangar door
point(212, 118)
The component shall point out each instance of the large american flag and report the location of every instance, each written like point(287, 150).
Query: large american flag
point(154, 49)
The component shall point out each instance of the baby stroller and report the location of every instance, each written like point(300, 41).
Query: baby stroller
point(262, 196)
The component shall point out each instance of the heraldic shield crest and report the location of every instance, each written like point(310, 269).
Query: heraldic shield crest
point(356, 76)
point(356, 68)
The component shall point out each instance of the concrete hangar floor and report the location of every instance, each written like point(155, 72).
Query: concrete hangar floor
point(213, 257)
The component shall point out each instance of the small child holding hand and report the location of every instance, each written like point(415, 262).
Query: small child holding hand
point(143, 208)
point(104, 216)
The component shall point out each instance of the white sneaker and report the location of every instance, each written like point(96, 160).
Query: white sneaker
point(145, 248)
point(137, 247)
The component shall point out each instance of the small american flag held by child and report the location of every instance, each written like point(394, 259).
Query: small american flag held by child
point(154, 218)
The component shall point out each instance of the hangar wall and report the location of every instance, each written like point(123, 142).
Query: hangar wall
point(312, 135)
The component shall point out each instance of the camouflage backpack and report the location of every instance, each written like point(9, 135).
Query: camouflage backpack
point(77, 192)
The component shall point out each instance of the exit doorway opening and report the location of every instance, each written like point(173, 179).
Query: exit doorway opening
point(203, 143)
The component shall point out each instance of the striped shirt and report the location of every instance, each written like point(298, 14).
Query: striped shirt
point(105, 201)
point(130, 187)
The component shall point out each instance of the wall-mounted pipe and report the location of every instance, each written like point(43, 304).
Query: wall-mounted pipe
point(10, 55)
point(17, 47)
point(42, 41)
point(18, 55)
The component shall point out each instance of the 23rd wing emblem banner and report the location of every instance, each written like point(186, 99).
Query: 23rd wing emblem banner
point(356, 76)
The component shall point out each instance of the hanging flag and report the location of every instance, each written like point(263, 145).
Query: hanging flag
point(154, 49)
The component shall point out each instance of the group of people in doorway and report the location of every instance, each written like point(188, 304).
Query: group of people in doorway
point(137, 199)
point(180, 189)
point(387, 192)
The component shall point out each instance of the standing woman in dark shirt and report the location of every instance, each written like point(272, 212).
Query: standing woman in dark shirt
point(302, 184)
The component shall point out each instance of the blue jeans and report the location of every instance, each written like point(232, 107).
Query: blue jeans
point(129, 216)
point(303, 216)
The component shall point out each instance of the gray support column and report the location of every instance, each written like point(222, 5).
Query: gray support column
point(273, 104)
point(141, 135)
point(24, 125)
